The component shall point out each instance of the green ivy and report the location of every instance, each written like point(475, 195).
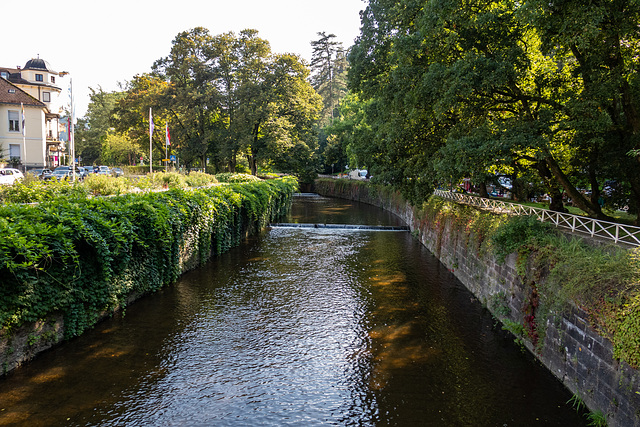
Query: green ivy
point(84, 256)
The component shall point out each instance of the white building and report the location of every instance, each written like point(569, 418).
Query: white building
point(34, 90)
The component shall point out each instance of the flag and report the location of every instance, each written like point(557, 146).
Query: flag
point(23, 130)
point(150, 123)
point(168, 136)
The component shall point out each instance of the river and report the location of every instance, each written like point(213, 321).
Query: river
point(297, 326)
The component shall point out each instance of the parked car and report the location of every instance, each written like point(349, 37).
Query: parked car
point(104, 170)
point(61, 174)
point(79, 175)
point(84, 171)
point(9, 176)
point(117, 172)
point(42, 173)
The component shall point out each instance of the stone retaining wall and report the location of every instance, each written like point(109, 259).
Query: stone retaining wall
point(575, 353)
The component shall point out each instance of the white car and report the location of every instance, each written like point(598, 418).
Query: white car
point(9, 176)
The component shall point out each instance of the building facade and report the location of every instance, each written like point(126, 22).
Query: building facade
point(30, 125)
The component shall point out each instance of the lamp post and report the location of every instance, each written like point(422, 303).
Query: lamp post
point(72, 134)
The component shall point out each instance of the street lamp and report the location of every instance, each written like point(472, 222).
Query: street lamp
point(72, 133)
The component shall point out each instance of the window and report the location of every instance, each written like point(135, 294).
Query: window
point(14, 121)
point(46, 96)
point(53, 79)
point(14, 150)
point(4, 74)
point(39, 78)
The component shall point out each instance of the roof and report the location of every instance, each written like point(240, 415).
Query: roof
point(12, 94)
point(38, 64)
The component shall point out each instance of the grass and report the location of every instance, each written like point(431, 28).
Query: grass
point(621, 216)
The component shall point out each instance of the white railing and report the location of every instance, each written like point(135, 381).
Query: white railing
point(618, 233)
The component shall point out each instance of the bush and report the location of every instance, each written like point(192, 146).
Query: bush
point(103, 185)
point(200, 179)
point(33, 190)
point(85, 256)
point(518, 232)
point(236, 177)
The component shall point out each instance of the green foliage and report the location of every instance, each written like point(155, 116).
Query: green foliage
point(499, 304)
point(562, 271)
point(236, 177)
point(103, 185)
point(200, 179)
point(577, 403)
point(85, 256)
point(545, 93)
point(597, 419)
point(34, 190)
point(626, 337)
point(518, 232)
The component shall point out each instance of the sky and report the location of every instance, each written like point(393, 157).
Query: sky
point(103, 43)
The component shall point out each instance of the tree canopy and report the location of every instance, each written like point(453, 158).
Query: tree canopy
point(542, 93)
point(225, 98)
point(229, 95)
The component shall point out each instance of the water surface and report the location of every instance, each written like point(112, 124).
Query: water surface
point(297, 327)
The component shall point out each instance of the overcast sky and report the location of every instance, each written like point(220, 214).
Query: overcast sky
point(106, 42)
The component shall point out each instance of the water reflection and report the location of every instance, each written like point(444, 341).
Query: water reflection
point(296, 327)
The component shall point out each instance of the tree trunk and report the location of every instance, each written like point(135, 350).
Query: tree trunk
point(253, 164)
point(556, 203)
point(579, 200)
point(482, 189)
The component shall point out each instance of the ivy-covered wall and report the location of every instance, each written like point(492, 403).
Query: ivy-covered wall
point(573, 304)
point(67, 263)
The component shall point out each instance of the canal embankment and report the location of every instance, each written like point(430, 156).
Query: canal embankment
point(573, 305)
point(68, 263)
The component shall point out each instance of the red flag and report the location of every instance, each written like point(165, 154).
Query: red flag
point(168, 136)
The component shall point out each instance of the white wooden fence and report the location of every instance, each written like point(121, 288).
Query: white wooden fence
point(618, 233)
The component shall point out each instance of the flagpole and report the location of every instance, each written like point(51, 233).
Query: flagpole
point(24, 137)
point(150, 142)
point(166, 161)
point(72, 135)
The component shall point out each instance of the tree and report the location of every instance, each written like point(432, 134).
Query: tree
point(192, 101)
point(118, 149)
point(484, 89)
point(131, 113)
point(92, 130)
point(280, 115)
point(329, 71)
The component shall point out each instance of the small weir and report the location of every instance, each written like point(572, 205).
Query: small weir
point(342, 226)
point(307, 324)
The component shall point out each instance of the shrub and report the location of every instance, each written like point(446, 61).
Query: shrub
point(103, 185)
point(236, 177)
point(518, 232)
point(200, 179)
point(84, 256)
point(35, 190)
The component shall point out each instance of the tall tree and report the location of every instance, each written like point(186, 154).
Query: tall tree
point(131, 113)
point(230, 96)
point(192, 102)
point(93, 128)
point(329, 72)
point(487, 88)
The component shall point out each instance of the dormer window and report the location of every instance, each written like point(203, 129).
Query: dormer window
point(39, 78)
point(4, 75)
